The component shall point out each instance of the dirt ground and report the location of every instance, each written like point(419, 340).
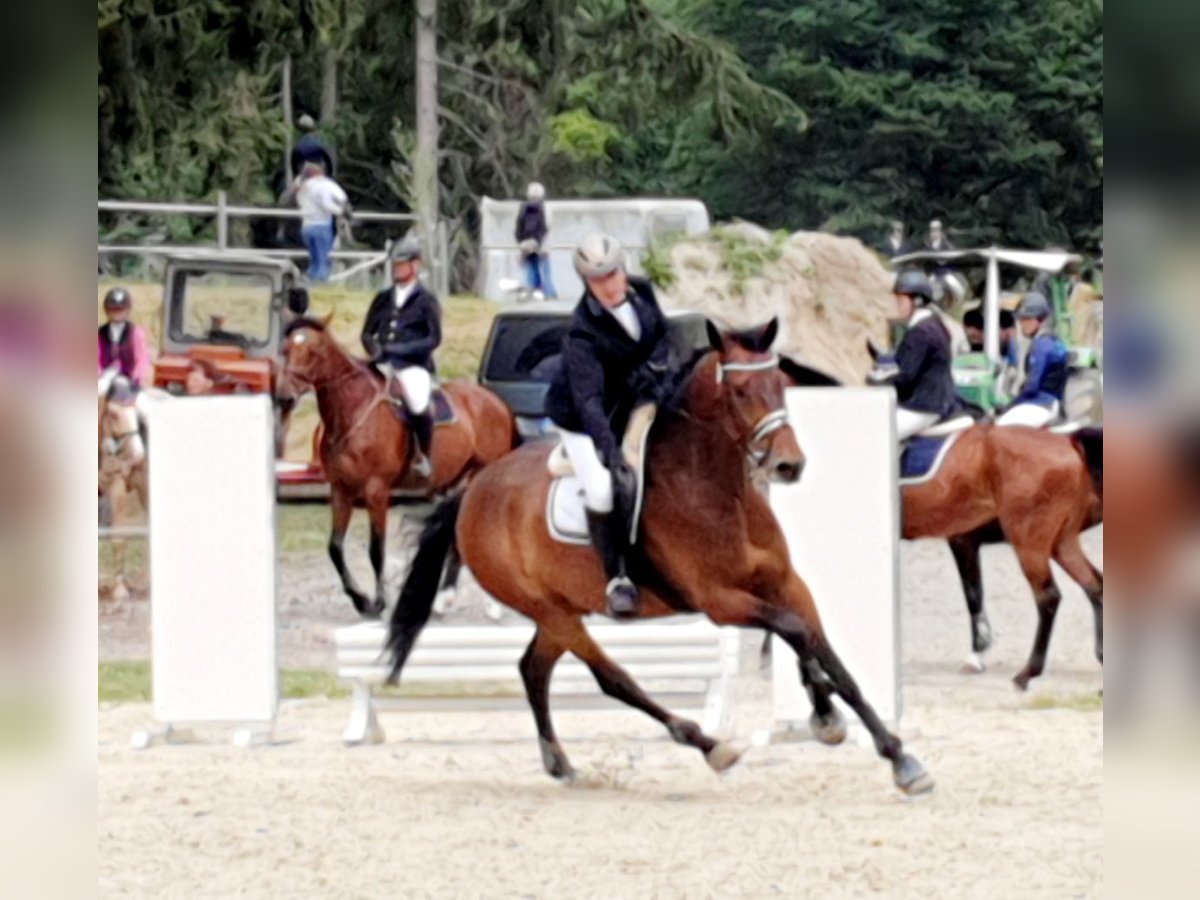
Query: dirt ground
point(457, 805)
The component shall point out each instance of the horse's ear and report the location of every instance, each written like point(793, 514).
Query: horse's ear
point(873, 350)
point(327, 320)
point(714, 336)
point(768, 334)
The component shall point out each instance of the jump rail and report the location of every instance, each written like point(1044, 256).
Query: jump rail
point(688, 665)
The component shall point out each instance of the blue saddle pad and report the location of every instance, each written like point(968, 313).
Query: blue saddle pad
point(442, 409)
point(439, 406)
point(920, 456)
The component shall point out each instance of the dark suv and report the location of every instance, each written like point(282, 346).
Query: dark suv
point(523, 352)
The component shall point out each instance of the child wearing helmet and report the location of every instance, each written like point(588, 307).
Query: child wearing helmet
point(616, 355)
point(1045, 366)
point(924, 384)
point(402, 329)
point(122, 344)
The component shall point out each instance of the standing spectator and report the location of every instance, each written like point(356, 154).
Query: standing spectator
point(321, 200)
point(936, 239)
point(310, 148)
point(896, 243)
point(532, 225)
point(122, 343)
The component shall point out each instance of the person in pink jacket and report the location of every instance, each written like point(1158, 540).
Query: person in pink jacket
point(122, 343)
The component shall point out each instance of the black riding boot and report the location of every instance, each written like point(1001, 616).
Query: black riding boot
point(610, 540)
point(422, 429)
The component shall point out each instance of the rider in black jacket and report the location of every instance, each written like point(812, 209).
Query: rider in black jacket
point(616, 355)
point(402, 329)
point(924, 384)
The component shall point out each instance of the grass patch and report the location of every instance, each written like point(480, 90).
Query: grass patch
point(125, 682)
point(1090, 701)
point(130, 682)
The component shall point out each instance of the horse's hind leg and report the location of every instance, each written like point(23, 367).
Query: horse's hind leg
point(1069, 554)
point(617, 683)
point(536, 666)
point(965, 550)
point(1036, 565)
point(342, 506)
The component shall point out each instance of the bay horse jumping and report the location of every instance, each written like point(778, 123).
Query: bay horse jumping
point(366, 446)
point(711, 544)
point(1032, 488)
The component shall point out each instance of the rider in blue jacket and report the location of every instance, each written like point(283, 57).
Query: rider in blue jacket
point(1046, 367)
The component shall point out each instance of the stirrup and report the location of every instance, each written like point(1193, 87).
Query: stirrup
point(421, 466)
point(622, 596)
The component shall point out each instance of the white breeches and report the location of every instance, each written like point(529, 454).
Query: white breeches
point(1033, 415)
point(597, 480)
point(416, 384)
point(910, 421)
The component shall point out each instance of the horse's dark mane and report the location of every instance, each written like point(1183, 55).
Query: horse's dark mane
point(676, 391)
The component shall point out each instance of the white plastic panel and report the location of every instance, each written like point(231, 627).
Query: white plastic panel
point(842, 526)
point(212, 559)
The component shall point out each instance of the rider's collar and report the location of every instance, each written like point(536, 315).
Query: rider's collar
point(599, 309)
point(920, 315)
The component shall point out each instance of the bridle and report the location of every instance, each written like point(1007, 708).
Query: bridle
point(757, 445)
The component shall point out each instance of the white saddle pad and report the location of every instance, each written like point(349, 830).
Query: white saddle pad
point(566, 515)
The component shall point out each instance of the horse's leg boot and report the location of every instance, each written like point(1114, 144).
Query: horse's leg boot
point(608, 537)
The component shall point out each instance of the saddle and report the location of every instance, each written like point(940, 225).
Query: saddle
point(566, 516)
point(922, 455)
point(440, 406)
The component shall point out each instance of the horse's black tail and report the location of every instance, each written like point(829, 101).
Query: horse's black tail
point(1090, 442)
point(421, 586)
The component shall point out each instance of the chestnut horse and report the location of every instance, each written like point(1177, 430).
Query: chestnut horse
point(1032, 488)
point(711, 544)
point(366, 447)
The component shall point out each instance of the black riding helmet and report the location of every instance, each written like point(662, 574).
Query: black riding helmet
point(117, 298)
point(915, 285)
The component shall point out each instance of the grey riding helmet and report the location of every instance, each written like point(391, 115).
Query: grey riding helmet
point(406, 250)
point(117, 298)
point(1034, 306)
point(915, 285)
point(598, 255)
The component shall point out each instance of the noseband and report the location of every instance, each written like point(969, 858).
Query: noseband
point(773, 421)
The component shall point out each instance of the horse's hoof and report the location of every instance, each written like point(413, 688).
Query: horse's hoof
point(371, 612)
point(555, 762)
point(982, 640)
point(831, 731)
point(724, 755)
point(1021, 681)
point(973, 665)
point(911, 776)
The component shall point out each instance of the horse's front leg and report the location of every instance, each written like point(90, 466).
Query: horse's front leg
point(341, 504)
point(795, 619)
point(377, 496)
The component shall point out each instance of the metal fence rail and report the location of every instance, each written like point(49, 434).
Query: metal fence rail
point(358, 261)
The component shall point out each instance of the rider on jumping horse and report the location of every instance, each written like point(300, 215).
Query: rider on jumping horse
point(923, 382)
point(1046, 367)
point(615, 356)
point(402, 329)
